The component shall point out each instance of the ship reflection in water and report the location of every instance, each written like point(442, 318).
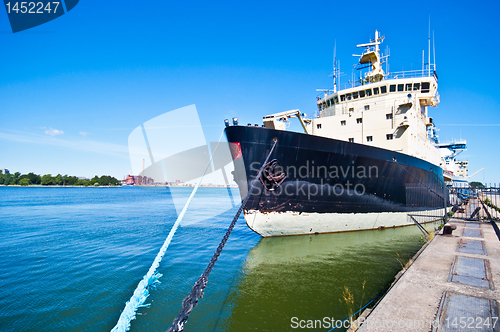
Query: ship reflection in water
point(305, 276)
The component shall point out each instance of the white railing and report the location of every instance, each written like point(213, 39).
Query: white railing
point(411, 74)
point(389, 76)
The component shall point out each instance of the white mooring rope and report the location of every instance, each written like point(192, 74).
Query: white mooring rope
point(141, 293)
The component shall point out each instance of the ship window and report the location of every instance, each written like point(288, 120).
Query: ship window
point(336, 100)
point(389, 136)
point(342, 123)
point(425, 87)
point(383, 89)
point(328, 103)
point(355, 95)
point(369, 138)
point(342, 98)
point(351, 140)
point(361, 93)
point(368, 92)
point(318, 125)
point(416, 86)
point(408, 87)
point(367, 107)
point(324, 105)
point(388, 116)
point(400, 87)
point(351, 109)
point(348, 96)
point(392, 88)
point(375, 91)
point(359, 120)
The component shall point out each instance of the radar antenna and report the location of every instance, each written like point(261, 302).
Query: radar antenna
point(372, 57)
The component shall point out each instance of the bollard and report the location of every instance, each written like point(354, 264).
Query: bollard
point(448, 229)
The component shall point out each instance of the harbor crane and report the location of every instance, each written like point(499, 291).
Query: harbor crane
point(271, 121)
point(475, 173)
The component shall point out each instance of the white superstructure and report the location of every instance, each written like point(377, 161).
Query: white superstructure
point(381, 110)
point(462, 168)
point(385, 110)
point(454, 170)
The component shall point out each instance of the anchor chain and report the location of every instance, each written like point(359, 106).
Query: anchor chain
point(191, 300)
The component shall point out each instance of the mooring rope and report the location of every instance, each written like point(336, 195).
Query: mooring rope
point(141, 293)
point(191, 300)
point(422, 229)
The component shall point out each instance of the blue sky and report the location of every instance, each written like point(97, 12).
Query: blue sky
point(73, 89)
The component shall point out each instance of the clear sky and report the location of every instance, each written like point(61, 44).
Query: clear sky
point(73, 89)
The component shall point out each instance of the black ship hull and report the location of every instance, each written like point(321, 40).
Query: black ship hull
point(316, 184)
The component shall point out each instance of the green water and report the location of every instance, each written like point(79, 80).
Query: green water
point(306, 277)
point(72, 257)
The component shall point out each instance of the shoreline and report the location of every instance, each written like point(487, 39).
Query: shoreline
point(52, 186)
point(120, 186)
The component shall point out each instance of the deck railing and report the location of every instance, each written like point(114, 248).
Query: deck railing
point(389, 76)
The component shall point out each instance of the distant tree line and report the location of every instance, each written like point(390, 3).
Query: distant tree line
point(58, 180)
point(476, 185)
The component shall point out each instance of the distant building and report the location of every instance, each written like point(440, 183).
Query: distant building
point(138, 180)
point(129, 180)
point(5, 171)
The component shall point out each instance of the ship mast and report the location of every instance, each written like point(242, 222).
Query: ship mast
point(372, 56)
point(336, 69)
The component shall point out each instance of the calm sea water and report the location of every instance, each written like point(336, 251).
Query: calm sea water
point(71, 257)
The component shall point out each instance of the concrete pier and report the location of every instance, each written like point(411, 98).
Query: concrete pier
point(453, 285)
